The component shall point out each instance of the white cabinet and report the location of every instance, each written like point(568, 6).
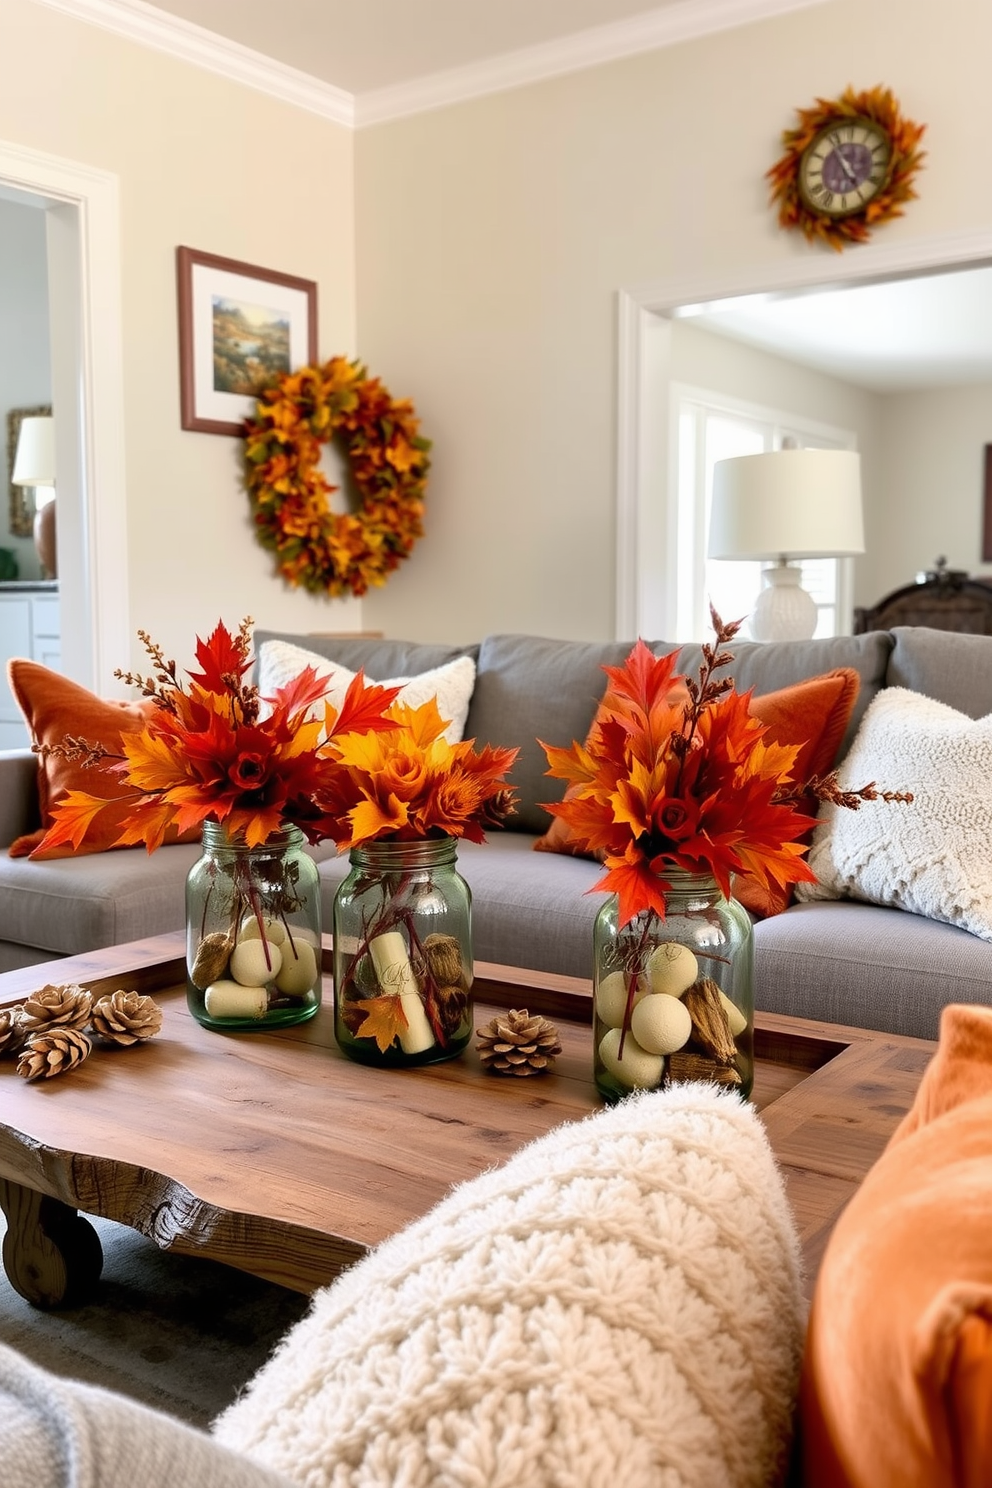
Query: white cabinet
point(29, 626)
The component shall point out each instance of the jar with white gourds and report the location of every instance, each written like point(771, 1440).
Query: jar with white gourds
point(673, 995)
point(253, 954)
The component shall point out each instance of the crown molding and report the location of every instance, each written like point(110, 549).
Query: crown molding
point(151, 27)
point(668, 26)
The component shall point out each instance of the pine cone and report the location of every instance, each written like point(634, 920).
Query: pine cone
point(515, 1043)
point(11, 1030)
point(126, 1017)
point(444, 957)
point(65, 1006)
point(52, 1052)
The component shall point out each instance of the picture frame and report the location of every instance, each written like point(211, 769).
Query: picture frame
point(239, 325)
point(987, 506)
point(22, 508)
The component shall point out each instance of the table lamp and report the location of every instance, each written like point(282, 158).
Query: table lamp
point(791, 503)
point(34, 465)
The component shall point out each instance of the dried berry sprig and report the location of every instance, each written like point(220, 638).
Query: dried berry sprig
point(707, 691)
point(828, 789)
point(78, 751)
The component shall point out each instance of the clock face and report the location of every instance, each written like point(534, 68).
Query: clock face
point(844, 167)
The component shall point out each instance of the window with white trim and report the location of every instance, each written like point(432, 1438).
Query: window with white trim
point(710, 428)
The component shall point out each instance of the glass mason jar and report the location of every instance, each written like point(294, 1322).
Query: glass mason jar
point(403, 954)
point(252, 931)
point(674, 998)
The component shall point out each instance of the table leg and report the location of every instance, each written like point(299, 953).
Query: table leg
point(51, 1254)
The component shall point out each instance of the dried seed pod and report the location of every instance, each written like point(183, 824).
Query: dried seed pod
point(688, 1066)
point(52, 1052)
point(126, 1017)
point(65, 1005)
point(444, 957)
point(452, 1005)
point(515, 1043)
point(11, 1030)
point(710, 1027)
point(210, 962)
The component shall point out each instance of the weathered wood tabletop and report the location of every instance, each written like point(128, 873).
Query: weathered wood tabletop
point(277, 1154)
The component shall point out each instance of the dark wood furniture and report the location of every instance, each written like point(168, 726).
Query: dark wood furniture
point(276, 1154)
point(945, 599)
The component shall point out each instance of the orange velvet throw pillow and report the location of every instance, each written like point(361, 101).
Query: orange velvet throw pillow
point(55, 706)
point(813, 714)
point(897, 1375)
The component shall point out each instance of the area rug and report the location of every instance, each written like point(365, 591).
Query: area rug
point(176, 1333)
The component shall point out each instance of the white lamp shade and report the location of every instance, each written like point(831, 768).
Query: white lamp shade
point(34, 463)
point(787, 503)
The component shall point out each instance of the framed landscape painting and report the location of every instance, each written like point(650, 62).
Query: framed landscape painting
point(239, 326)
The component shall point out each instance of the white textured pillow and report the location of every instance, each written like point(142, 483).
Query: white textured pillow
point(933, 856)
point(619, 1303)
point(280, 661)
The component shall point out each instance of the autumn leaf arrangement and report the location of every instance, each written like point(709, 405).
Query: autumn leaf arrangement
point(400, 788)
point(677, 777)
point(677, 774)
point(57, 1027)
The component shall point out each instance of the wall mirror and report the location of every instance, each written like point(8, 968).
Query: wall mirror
point(21, 497)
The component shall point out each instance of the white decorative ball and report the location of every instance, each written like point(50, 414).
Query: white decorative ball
point(299, 968)
point(638, 1069)
point(671, 968)
point(661, 1024)
point(735, 1017)
point(611, 998)
point(275, 930)
point(226, 999)
point(254, 962)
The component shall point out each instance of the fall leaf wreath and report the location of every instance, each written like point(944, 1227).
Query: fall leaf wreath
point(877, 105)
point(322, 550)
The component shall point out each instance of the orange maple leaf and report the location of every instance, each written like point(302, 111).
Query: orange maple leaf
point(384, 1021)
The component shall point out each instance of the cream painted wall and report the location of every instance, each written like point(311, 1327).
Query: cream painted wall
point(493, 238)
point(934, 452)
point(218, 167)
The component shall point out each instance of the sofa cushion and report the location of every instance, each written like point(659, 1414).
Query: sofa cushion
point(451, 683)
point(814, 715)
point(931, 855)
point(54, 707)
point(871, 967)
point(897, 1380)
point(952, 668)
point(619, 1302)
point(529, 688)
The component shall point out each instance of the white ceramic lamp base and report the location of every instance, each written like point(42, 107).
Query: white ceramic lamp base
point(783, 611)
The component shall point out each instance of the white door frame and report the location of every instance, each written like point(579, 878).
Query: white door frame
point(83, 235)
point(645, 517)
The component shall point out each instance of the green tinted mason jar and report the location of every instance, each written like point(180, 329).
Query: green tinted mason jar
point(674, 997)
point(403, 954)
point(252, 931)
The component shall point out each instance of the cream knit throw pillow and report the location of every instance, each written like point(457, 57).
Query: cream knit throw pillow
point(618, 1304)
point(934, 855)
point(452, 684)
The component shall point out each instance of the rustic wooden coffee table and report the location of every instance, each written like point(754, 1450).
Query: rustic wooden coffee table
point(276, 1154)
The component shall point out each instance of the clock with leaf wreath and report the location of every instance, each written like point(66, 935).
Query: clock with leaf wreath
point(849, 165)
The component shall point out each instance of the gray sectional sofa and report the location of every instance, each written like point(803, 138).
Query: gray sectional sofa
point(842, 961)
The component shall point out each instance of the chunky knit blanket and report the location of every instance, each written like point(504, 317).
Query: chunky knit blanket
point(619, 1303)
